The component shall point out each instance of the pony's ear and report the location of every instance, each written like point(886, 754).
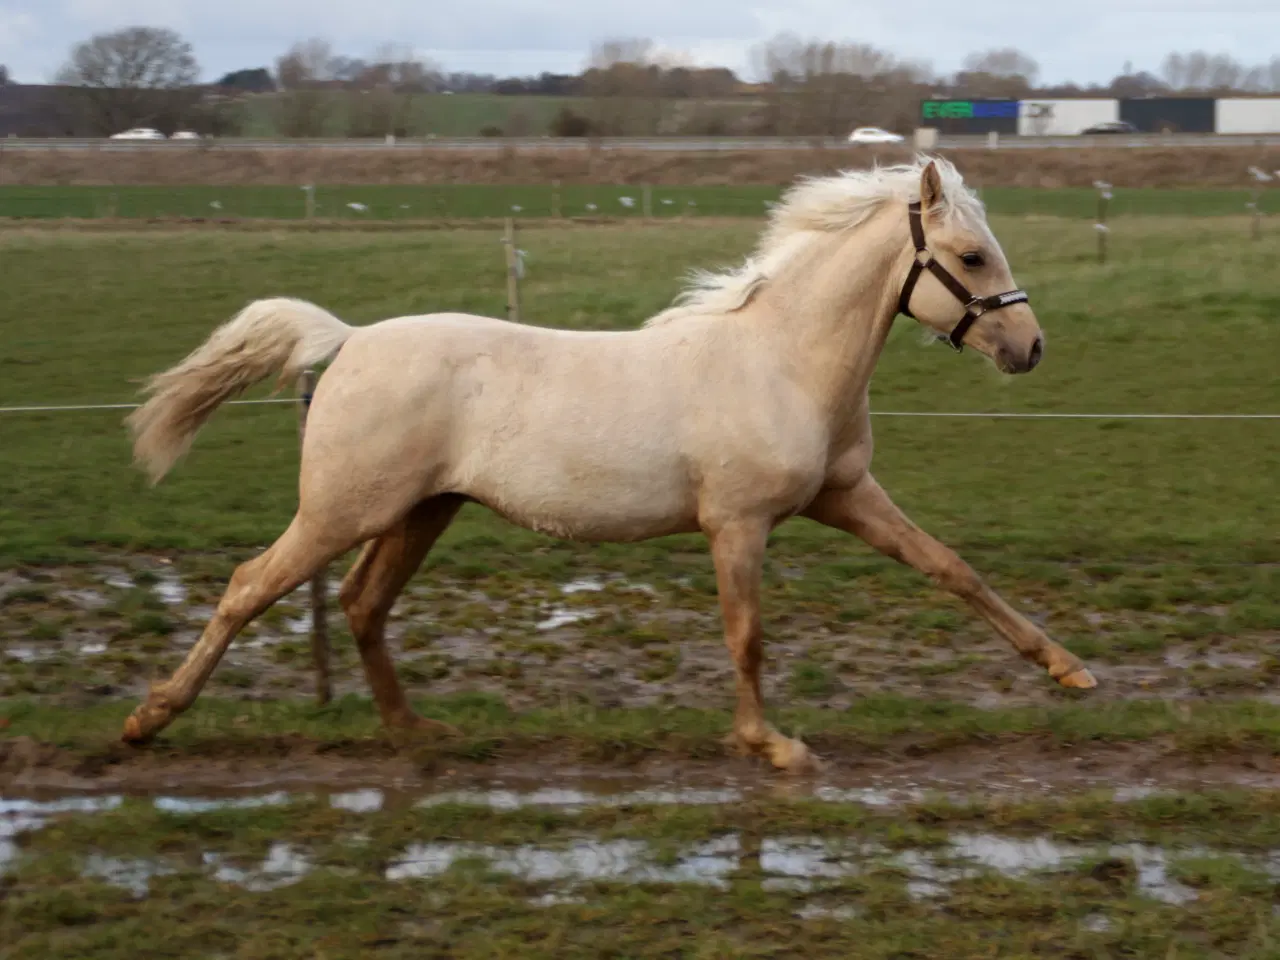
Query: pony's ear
point(930, 189)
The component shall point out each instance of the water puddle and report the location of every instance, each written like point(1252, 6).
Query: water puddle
point(298, 626)
point(803, 864)
point(189, 805)
point(563, 617)
point(86, 599)
point(585, 585)
point(133, 875)
point(572, 799)
point(358, 801)
point(23, 816)
point(283, 865)
point(120, 580)
point(578, 862)
point(171, 590)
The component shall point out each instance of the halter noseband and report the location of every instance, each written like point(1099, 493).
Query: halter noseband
point(974, 307)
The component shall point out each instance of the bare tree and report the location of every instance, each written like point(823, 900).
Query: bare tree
point(305, 73)
point(624, 84)
point(132, 76)
point(1220, 72)
point(5, 78)
point(383, 99)
point(633, 51)
point(821, 87)
point(1005, 62)
point(306, 64)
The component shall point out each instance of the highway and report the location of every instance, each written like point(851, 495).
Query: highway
point(653, 144)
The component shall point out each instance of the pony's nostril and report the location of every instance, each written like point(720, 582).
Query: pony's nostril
point(1037, 351)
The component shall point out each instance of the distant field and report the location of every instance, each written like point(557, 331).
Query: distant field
point(396, 202)
point(469, 114)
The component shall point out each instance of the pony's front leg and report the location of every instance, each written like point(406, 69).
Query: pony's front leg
point(866, 511)
point(737, 548)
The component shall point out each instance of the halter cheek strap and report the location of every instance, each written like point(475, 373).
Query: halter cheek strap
point(974, 307)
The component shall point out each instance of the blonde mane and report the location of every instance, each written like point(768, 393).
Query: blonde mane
point(813, 207)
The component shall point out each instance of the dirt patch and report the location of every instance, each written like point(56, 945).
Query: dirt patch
point(1012, 767)
point(1144, 167)
point(80, 636)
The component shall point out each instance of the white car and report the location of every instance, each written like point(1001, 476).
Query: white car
point(874, 135)
point(139, 133)
point(185, 135)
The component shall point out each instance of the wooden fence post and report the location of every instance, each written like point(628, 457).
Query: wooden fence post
point(319, 583)
point(513, 271)
point(1104, 201)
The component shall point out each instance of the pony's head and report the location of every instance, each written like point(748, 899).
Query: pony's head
point(956, 280)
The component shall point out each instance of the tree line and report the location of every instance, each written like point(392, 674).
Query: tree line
point(150, 76)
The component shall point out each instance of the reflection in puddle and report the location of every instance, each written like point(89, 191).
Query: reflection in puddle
point(283, 865)
point(204, 805)
point(563, 616)
point(808, 857)
point(814, 911)
point(1017, 858)
point(22, 816)
point(798, 864)
point(131, 874)
point(870, 796)
point(170, 589)
point(578, 862)
point(584, 585)
point(570, 799)
point(357, 801)
point(87, 599)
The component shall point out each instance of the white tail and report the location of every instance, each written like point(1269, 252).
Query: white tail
point(268, 336)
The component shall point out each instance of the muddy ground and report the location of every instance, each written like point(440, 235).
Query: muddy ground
point(1145, 167)
point(81, 633)
point(1022, 769)
point(86, 635)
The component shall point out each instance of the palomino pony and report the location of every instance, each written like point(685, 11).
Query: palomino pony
point(743, 405)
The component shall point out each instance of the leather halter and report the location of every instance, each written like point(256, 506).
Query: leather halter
point(974, 307)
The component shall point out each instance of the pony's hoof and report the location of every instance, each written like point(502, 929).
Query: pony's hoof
point(144, 723)
point(1081, 679)
point(413, 723)
point(795, 758)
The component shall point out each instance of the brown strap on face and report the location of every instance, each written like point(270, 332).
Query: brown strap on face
point(974, 306)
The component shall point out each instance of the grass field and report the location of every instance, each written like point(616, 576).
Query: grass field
point(1148, 547)
point(455, 115)
point(536, 201)
point(471, 114)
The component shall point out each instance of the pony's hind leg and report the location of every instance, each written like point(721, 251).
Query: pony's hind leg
point(292, 560)
point(370, 590)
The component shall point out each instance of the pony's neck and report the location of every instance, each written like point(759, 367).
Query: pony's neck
point(833, 307)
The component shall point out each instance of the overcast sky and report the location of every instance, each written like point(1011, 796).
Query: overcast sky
point(1086, 40)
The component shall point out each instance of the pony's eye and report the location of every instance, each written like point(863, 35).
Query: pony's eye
point(972, 260)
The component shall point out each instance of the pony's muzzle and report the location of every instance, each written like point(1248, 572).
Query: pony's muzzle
point(1012, 360)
